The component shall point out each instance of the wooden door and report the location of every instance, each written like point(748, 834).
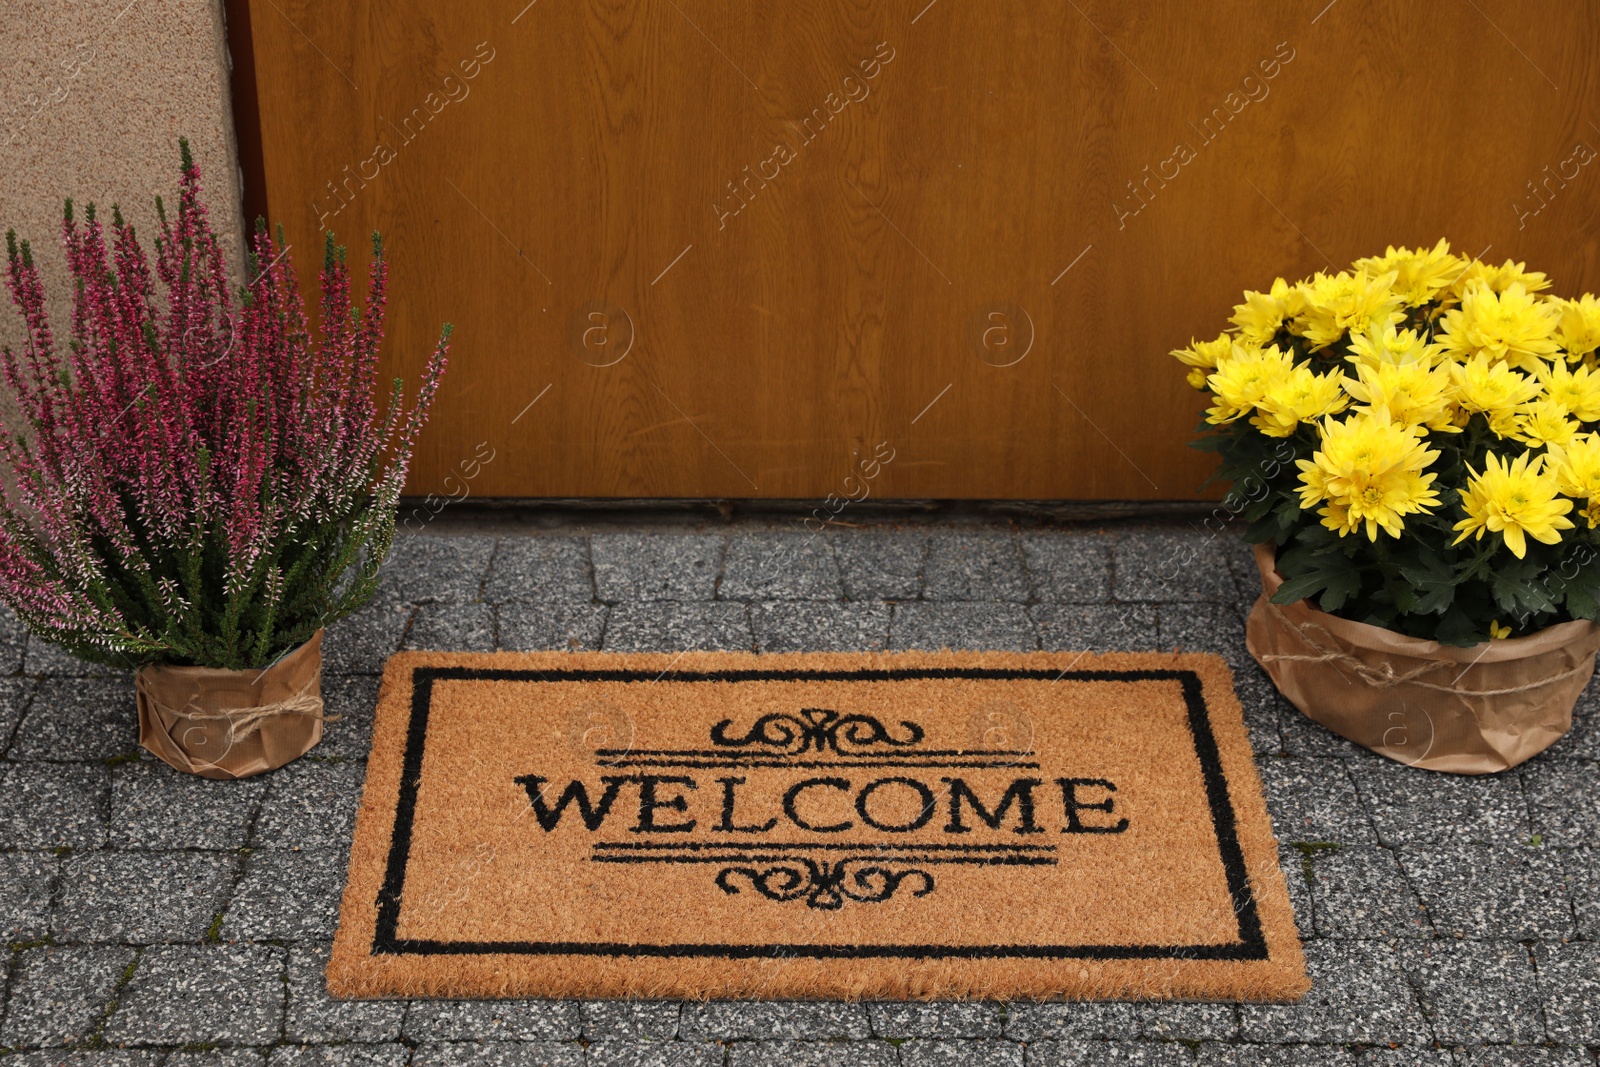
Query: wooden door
point(734, 249)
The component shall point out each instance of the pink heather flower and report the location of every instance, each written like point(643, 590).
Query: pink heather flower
point(196, 479)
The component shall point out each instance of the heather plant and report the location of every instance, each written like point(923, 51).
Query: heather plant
point(197, 481)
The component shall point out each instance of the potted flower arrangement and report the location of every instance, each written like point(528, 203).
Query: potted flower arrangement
point(1421, 433)
point(198, 487)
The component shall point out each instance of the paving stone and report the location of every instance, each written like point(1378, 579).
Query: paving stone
point(452, 627)
point(1069, 568)
point(220, 1057)
point(1362, 892)
point(423, 568)
point(780, 566)
point(633, 1019)
point(655, 566)
point(564, 627)
point(1187, 1022)
point(15, 693)
point(315, 1017)
point(1313, 800)
point(49, 658)
point(1035, 1021)
point(997, 627)
point(59, 994)
point(880, 564)
point(960, 1019)
point(1359, 993)
point(1476, 991)
point(352, 698)
point(1111, 1054)
point(819, 626)
point(1218, 1055)
point(665, 626)
point(493, 1020)
point(13, 641)
point(26, 882)
point(982, 567)
point(540, 569)
point(1404, 1057)
point(1522, 1056)
point(53, 805)
point(100, 1057)
point(1095, 627)
point(156, 806)
point(787, 1020)
point(498, 1054)
point(360, 642)
point(1194, 627)
point(1569, 980)
point(619, 1053)
point(1582, 867)
point(309, 805)
point(339, 1056)
point(202, 994)
point(1262, 706)
point(1304, 736)
point(1421, 807)
point(926, 1053)
point(1165, 564)
point(1294, 864)
point(140, 897)
point(1564, 801)
point(812, 1054)
point(1509, 891)
point(79, 719)
point(287, 896)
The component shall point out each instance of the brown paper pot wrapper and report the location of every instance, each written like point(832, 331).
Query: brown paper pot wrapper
point(233, 724)
point(1471, 710)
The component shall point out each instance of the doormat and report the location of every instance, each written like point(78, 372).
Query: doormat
point(813, 825)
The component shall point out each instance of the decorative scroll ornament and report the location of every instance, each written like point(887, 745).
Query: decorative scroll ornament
point(825, 884)
point(815, 730)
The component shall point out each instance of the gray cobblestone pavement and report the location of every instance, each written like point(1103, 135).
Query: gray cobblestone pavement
point(160, 920)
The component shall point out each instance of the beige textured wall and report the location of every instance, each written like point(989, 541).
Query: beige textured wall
point(94, 95)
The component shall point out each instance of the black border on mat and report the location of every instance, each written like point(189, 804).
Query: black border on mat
point(1251, 945)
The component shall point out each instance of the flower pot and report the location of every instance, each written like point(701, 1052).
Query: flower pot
point(233, 724)
point(1473, 710)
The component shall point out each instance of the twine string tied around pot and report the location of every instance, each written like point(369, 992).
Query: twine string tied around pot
point(245, 721)
point(1384, 676)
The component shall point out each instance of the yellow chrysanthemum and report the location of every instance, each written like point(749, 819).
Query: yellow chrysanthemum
point(1261, 314)
point(1579, 333)
point(1494, 389)
point(1413, 394)
point(1545, 422)
point(1202, 357)
point(1575, 388)
point(1300, 397)
point(1498, 279)
point(1511, 325)
point(1497, 631)
point(1370, 472)
point(1578, 467)
point(1243, 378)
point(1420, 274)
point(1346, 302)
point(1381, 345)
point(1516, 501)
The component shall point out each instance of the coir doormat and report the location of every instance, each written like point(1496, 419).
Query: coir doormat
point(813, 825)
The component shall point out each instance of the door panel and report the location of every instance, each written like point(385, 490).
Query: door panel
point(728, 249)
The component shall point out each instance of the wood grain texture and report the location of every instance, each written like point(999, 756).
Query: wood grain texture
point(610, 153)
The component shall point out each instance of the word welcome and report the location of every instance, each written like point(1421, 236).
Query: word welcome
point(827, 805)
point(740, 192)
point(1251, 89)
point(451, 90)
point(1580, 157)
